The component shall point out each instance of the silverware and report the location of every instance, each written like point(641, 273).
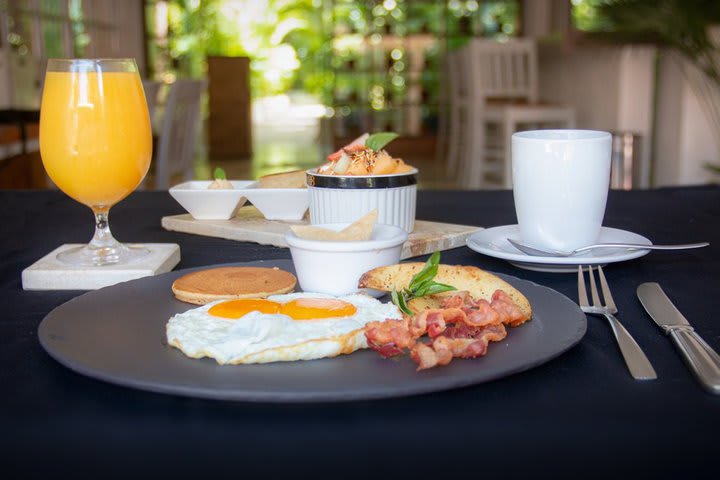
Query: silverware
point(547, 252)
point(698, 355)
point(636, 361)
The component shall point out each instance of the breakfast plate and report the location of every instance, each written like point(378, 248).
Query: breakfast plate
point(117, 334)
point(493, 242)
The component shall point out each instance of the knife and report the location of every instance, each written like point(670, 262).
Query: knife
point(698, 355)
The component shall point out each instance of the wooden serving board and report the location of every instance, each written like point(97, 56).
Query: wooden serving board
point(250, 226)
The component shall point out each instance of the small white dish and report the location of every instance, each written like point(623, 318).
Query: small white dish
point(493, 242)
point(216, 204)
point(280, 203)
point(335, 267)
point(345, 198)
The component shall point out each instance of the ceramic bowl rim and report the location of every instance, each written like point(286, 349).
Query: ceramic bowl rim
point(398, 236)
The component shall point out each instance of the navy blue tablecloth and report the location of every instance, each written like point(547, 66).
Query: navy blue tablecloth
point(579, 414)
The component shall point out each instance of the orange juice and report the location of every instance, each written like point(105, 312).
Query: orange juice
point(95, 137)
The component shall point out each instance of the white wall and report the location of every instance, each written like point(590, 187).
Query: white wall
point(685, 141)
point(611, 88)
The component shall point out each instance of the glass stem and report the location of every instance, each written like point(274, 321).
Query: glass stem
point(103, 237)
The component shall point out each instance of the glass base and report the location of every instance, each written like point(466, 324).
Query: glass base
point(118, 254)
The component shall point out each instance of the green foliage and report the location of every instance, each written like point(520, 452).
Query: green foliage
point(289, 41)
point(678, 24)
point(377, 141)
point(283, 38)
point(219, 174)
point(421, 284)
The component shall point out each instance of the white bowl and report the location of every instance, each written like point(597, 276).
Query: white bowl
point(280, 203)
point(205, 204)
point(335, 267)
point(345, 198)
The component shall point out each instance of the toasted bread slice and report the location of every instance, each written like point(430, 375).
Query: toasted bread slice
point(429, 302)
point(479, 283)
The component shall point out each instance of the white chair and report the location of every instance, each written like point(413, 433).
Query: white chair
point(503, 86)
point(178, 133)
point(152, 90)
point(458, 75)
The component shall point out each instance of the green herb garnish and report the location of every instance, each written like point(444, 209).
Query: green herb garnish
point(377, 141)
point(421, 284)
point(220, 174)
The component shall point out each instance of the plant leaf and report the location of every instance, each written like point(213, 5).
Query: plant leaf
point(377, 141)
point(219, 174)
point(431, 288)
point(434, 288)
point(422, 283)
point(426, 274)
point(399, 300)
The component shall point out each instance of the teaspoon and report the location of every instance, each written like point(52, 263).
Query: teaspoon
point(632, 246)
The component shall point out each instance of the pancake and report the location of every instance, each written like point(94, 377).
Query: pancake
point(229, 283)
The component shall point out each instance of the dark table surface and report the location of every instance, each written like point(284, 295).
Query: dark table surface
point(21, 118)
point(579, 414)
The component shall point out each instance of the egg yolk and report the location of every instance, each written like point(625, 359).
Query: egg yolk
point(239, 308)
point(315, 308)
point(299, 309)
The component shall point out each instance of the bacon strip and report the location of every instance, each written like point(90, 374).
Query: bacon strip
point(389, 338)
point(444, 349)
point(505, 306)
point(463, 328)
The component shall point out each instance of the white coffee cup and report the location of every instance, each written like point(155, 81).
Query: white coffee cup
point(560, 184)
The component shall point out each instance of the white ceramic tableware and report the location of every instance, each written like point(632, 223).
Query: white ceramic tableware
point(335, 267)
point(560, 184)
point(206, 204)
point(280, 203)
point(493, 242)
point(345, 198)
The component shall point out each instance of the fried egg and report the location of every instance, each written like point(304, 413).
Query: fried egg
point(295, 326)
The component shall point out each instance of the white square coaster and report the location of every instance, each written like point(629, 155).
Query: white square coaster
point(49, 273)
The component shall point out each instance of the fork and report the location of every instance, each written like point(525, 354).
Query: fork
point(636, 361)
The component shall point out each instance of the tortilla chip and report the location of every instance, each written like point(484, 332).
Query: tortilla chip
point(359, 230)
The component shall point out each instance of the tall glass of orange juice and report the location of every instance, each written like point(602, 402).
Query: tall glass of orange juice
point(96, 144)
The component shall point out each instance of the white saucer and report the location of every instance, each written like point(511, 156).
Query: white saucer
point(493, 242)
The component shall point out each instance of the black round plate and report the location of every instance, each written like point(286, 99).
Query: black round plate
point(117, 334)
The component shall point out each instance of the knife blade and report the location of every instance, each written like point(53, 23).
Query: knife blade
point(702, 360)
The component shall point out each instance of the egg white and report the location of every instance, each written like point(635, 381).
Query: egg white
point(260, 337)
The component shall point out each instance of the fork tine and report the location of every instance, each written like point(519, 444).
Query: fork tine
point(593, 289)
point(609, 302)
point(582, 294)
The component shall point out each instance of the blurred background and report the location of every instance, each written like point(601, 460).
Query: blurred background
point(282, 83)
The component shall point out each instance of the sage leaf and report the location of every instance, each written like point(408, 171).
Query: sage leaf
point(422, 283)
point(219, 174)
point(377, 141)
point(435, 288)
point(399, 300)
point(426, 274)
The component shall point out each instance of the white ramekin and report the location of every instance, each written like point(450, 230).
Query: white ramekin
point(335, 267)
point(345, 198)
